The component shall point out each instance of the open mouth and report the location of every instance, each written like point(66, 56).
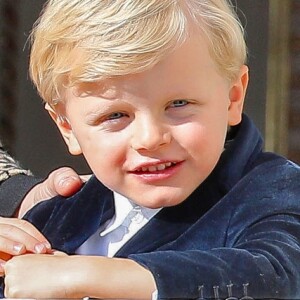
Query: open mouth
point(155, 168)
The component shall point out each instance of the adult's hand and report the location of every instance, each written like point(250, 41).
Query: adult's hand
point(18, 237)
point(64, 181)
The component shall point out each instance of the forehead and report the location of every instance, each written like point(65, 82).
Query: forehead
point(187, 65)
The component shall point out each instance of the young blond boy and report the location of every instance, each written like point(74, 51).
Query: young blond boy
point(187, 204)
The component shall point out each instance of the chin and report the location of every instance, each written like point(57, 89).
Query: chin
point(162, 202)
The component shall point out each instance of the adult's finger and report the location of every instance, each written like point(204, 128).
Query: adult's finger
point(64, 181)
point(18, 236)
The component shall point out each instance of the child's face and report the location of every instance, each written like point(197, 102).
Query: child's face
point(155, 136)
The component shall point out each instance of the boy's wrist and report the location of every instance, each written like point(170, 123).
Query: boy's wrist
point(78, 273)
point(102, 277)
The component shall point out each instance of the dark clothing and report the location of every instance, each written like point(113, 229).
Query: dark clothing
point(14, 184)
point(13, 191)
point(237, 234)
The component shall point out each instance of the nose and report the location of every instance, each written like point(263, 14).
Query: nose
point(150, 134)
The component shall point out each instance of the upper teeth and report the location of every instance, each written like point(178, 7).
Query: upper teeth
point(159, 167)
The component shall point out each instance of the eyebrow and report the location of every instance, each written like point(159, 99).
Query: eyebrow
point(103, 108)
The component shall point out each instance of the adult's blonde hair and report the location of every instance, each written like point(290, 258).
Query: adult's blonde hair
point(76, 41)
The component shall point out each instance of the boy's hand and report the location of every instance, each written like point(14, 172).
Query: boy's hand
point(76, 276)
point(63, 181)
point(18, 237)
point(39, 276)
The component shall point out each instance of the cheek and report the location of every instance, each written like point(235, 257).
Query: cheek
point(104, 153)
point(205, 135)
point(205, 143)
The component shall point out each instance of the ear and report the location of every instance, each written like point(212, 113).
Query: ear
point(65, 129)
point(237, 96)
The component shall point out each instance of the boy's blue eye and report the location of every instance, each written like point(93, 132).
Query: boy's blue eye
point(179, 103)
point(116, 115)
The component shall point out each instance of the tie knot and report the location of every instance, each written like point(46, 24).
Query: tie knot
point(135, 215)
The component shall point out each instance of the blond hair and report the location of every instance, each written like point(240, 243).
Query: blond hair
point(77, 41)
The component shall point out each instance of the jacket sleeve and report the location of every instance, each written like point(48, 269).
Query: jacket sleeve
point(15, 182)
point(247, 245)
point(262, 263)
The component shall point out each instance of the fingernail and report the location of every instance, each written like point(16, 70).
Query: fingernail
point(40, 248)
point(67, 180)
point(47, 245)
point(17, 248)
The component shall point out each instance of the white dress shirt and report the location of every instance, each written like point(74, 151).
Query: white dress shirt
point(129, 218)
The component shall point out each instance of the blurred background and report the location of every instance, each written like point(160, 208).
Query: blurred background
point(273, 99)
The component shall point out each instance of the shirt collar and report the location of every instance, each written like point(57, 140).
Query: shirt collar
point(123, 208)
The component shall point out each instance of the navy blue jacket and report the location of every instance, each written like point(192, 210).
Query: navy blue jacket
point(237, 234)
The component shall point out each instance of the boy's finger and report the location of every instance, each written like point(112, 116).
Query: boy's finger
point(59, 253)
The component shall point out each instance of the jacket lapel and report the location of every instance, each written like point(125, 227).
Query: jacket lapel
point(171, 222)
point(75, 219)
